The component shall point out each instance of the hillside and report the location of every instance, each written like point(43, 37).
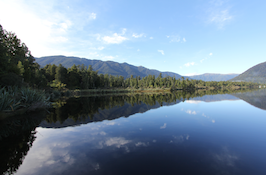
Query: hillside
point(214, 77)
point(104, 67)
point(255, 74)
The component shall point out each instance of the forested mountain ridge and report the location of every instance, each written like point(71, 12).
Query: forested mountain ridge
point(256, 74)
point(213, 77)
point(104, 67)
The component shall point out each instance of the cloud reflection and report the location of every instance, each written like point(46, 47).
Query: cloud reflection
point(191, 112)
point(180, 138)
point(142, 144)
point(225, 158)
point(117, 141)
point(163, 127)
point(193, 101)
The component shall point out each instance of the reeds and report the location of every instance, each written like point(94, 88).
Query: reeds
point(8, 100)
point(13, 98)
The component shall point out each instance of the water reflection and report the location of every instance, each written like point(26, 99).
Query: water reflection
point(165, 134)
point(255, 98)
point(17, 135)
point(76, 111)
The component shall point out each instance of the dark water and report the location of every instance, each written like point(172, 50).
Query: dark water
point(143, 134)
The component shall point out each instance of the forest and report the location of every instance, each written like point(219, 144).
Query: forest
point(18, 68)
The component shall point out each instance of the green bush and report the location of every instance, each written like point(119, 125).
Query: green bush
point(8, 99)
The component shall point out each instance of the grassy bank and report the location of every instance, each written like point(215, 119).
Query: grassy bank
point(16, 101)
point(114, 91)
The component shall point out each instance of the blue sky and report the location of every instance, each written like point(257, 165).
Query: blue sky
point(185, 37)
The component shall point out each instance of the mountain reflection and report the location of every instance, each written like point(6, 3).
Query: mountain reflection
point(18, 134)
point(76, 111)
point(256, 98)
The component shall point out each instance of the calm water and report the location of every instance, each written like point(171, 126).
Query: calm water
point(144, 134)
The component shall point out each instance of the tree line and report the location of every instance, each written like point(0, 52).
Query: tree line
point(18, 68)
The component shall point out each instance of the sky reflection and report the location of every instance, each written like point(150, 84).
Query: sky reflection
point(224, 137)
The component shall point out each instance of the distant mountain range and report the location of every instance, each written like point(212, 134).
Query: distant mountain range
point(124, 69)
point(255, 74)
point(214, 77)
point(104, 67)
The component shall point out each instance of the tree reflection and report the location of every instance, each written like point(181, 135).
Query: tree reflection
point(85, 108)
point(17, 135)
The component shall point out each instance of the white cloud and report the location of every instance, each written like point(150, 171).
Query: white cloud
point(191, 74)
point(59, 39)
point(221, 17)
point(94, 54)
point(114, 39)
point(151, 37)
point(108, 58)
point(123, 31)
point(138, 35)
point(47, 31)
point(163, 127)
point(174, 38)
point(190, 64)
point(161, 51)
point(219, 13)
point(184, 39)
point(92, 16)
point(100, 48)
point(204, 115)
point(210, 54)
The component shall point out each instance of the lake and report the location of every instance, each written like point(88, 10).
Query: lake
point(174, 133)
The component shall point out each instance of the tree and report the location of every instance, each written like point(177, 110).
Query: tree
point(14, 57)
point(73, 77)
point(61, 74)
point(21, 68)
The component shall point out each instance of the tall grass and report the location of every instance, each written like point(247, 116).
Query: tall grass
point(8, 100)
point(29, 96)
point(14, 98)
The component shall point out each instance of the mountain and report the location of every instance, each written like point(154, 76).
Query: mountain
point(255, 74)
point(104, 67)
point(214, 77)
